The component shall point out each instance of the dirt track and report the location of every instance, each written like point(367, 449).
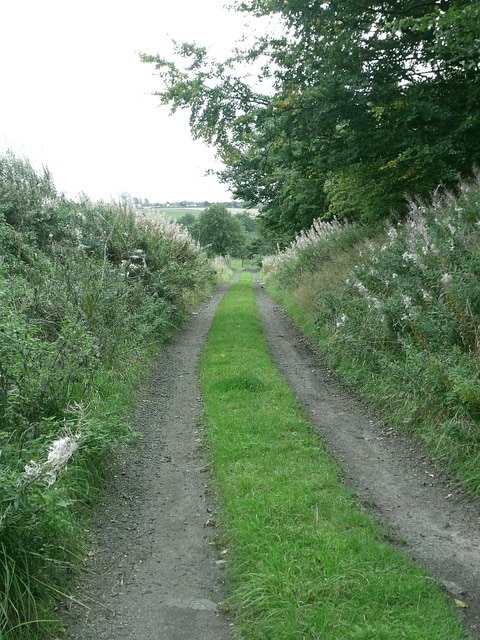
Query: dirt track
point(432, 519)
point(155, 574)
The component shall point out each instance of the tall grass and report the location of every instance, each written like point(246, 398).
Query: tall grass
point(398, 315)
point(87, 292)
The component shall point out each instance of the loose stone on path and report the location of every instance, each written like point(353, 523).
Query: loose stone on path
point(154, 573)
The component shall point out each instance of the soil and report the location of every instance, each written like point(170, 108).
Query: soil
point(430, 517)
point(155, 573)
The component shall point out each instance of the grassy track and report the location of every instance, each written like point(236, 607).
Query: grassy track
point(304, 560)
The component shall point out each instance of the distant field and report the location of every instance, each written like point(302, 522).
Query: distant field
point(172, 213)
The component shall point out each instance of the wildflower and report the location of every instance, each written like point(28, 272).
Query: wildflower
point(446, 279)
point(392, 233)
point(426, 295)
point(341, 321)
point(33, 469)
point(59, 453)
point(361, 288)
point(61, 450)
point(319, 230)
point(409, 255)
point(407, 301)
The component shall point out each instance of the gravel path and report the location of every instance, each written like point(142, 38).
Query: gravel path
point(154, 572)
point(433, 520)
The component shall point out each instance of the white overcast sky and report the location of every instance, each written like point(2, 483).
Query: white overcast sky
point(76, 98)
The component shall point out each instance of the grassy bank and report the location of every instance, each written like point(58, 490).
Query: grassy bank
point(304, 561)
point(88, 291)
point(397, 314)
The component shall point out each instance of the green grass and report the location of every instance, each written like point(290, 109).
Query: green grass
point(304, 560)
point(174, 213)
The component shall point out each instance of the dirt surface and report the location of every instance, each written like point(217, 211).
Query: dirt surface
point(432, 519)
point(154, 573)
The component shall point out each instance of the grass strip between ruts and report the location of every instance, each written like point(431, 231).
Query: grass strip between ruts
point(304, 559)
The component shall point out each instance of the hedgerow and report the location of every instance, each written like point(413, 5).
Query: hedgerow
point(397, 313)
point(87, 291)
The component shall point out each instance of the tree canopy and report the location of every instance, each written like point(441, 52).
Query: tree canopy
point(219, 232)
point(366, 102)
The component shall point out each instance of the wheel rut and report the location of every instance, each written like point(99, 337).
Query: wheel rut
point(432, 519)
point(153, 574)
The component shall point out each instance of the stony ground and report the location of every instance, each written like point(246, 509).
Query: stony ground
point(155, 573)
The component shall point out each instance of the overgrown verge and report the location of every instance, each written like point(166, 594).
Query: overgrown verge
point(303, 559)
point(397, 314)
point(87, 292)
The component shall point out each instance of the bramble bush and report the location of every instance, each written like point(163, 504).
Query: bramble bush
point(87, 290)
point(398, 315)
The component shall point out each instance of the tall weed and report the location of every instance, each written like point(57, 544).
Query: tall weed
point(398, 315)
point(86, 292)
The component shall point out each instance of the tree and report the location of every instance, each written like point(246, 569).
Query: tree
point(188, 221)
point(219, 232)
point(370, 102)
point(255, 242)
